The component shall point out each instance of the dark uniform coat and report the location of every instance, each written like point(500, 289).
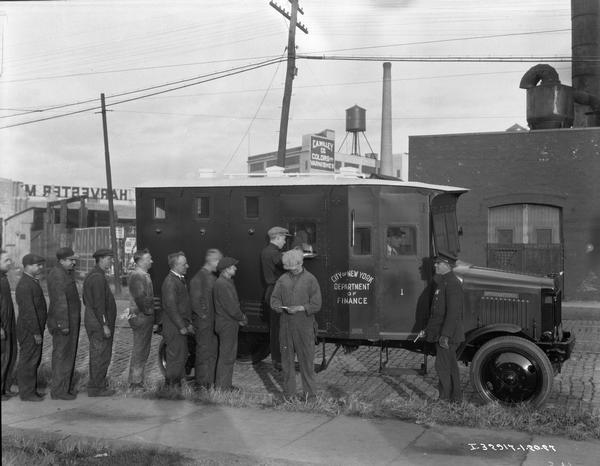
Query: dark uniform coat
point(297, 332)
point(141, 307)
point(31, 321)
point(100, 310)
point(446, 320)
point(203, 318)
point(64, 323)
point(176, 315)
point(228, 316)
point(9, 344)
point(272, 268)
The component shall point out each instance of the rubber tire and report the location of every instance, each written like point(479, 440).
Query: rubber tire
point(252, 347)
point(189, 363)
point(522, 347)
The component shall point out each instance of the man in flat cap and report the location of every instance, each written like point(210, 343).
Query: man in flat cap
point(176, 318)
point(203, 318)
point(270, 260)
point(228, 319)
point(99, 319)
point(141, 309)
point(8, 336)
point(445, 327)
point(30, 326)
point(297, 297)
point(64, 322)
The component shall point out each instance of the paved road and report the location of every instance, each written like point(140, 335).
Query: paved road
point(357, 374)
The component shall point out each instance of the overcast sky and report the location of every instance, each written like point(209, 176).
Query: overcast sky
point(59, 53)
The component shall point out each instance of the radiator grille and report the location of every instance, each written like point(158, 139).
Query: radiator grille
point(495, 310)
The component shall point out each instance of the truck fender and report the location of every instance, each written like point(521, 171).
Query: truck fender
point(497, 329)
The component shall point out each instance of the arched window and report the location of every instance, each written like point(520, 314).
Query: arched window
point(524, 224)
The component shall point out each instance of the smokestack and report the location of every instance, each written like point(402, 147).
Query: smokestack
point(585, 43)
point(386, 164)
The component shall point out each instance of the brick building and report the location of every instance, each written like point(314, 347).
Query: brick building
point(534, 203)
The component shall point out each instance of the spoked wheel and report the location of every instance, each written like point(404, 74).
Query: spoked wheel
point(252, 347)
point(512, 370)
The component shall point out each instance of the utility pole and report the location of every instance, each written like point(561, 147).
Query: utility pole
point(111, 206)
point(289, 74)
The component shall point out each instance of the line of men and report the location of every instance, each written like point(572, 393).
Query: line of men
point(63, 319)
point(209, 309)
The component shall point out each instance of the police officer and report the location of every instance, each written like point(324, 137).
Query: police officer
point(99, 319)
point(203, 319)
point(228, 318)
point(270, 259)
point(297, 297)
point(445, 327)
point(31, 323)
point(176, 318)
point(8, 335)
point(141, 310)
point(64, 322)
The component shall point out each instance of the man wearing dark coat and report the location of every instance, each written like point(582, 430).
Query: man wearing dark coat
point(64, 322)
point(228, 319)
point(297, 297)
point(8, 334)
point(142, 319)
point(176, 318)
point(203, 319)
point(31, 323)
point(270, 261)
point(445, 327)
point(99, 320)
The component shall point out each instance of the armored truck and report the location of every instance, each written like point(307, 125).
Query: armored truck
point(370, 243)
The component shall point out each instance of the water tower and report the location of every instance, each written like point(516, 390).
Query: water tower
point(356, 122)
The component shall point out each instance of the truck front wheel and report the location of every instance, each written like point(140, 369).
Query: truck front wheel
point(512, 370)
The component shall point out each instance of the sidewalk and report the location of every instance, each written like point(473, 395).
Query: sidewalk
point(253, 436)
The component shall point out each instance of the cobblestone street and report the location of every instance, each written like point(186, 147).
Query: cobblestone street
point(357, 374)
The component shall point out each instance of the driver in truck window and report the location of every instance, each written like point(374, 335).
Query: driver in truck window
point(445, 327)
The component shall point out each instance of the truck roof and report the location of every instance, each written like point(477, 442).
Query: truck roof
point(296, 179)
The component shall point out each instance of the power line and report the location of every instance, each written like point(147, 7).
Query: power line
point(145, 96)
point(437, 41)
point(452, 59)
point(255, 115)
point(56, 107)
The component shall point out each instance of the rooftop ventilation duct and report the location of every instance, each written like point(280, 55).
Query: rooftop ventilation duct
point(549, 103)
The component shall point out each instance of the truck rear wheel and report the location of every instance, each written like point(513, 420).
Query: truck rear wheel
point(189, 363)
point(252, 347)
point(512, 370)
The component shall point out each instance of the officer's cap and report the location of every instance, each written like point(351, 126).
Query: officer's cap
point(226, 262)
point(66, 253)
point(103, 253)
point(447, 257)
point(32, 259)
point(276, 231)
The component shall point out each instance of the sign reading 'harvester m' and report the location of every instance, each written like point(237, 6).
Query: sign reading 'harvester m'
point(322, 153)
point(47, 190)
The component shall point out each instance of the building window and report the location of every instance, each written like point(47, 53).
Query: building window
point(362, 241)
point(203, 207)
point(524, 224)
point(251, 206)
point(543, 236)
point(401, 240)
point(505, 236)
point(159, 208)
point(257, 167)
